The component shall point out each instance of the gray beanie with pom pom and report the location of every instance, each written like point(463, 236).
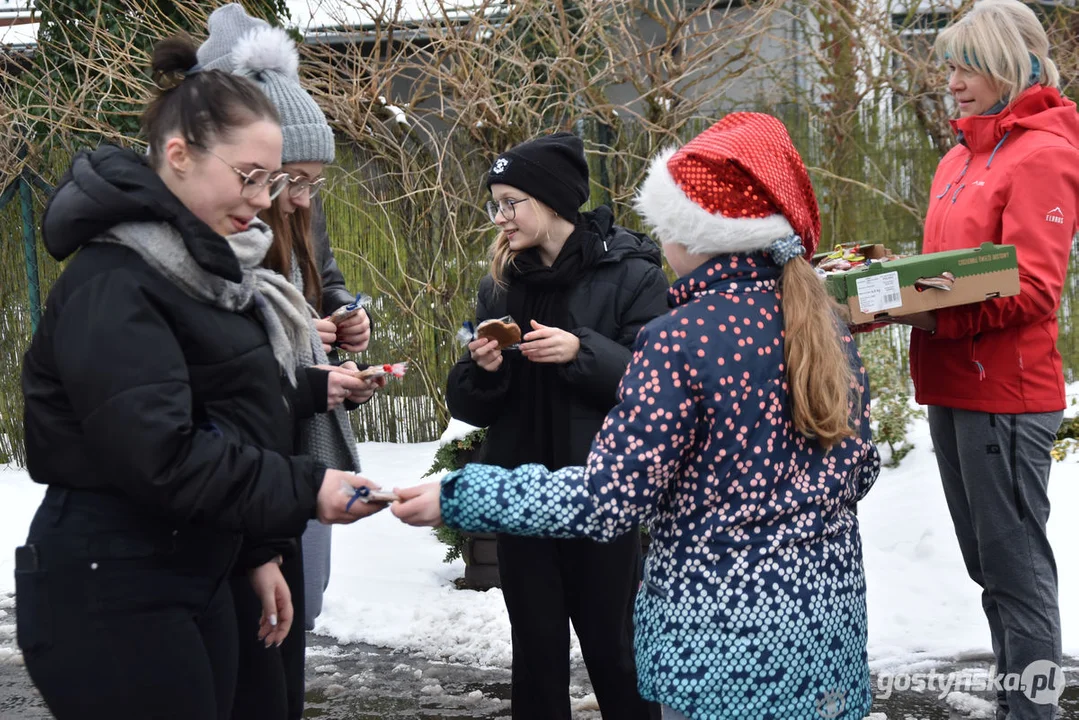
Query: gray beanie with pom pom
point(243, 45)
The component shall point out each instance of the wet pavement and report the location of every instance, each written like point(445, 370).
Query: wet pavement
point(362, 682)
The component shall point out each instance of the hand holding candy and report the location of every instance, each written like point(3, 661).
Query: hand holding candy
point(341, 385)
point(353, 324)
point(420, 505)
point(367, 495)
point(333, 498)
point(327, 332)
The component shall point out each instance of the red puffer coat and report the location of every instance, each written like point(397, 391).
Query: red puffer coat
point(1012, 180)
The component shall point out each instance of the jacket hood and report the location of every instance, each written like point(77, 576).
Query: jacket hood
point(615, 243)
point(1037, 108)
point(113, 185)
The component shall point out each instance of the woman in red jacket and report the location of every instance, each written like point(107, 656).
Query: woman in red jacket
point(990, 373)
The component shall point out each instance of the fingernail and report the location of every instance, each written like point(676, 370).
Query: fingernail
point(273, 620)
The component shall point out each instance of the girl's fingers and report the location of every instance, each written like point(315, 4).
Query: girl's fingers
point(540, 334)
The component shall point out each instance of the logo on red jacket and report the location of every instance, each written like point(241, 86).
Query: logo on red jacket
point(1056, 215)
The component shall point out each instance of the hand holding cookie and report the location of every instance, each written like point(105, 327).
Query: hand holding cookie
point(486, 353)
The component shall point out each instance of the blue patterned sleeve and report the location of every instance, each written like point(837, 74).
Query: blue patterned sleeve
point(637, 454)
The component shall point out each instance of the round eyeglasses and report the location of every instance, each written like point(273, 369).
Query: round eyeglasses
point(502, 206)
point(252, 182)
point(300, 186)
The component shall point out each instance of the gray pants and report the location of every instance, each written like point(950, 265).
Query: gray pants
point(671, 714)
point(316, 569)
point(995, 470)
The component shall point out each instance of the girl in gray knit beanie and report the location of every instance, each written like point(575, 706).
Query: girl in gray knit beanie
point(248, 46)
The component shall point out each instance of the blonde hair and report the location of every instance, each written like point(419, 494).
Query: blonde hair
point(822, 386)
point(501, 255)
point(998, 39)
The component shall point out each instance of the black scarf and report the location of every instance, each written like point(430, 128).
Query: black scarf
point(541, 293)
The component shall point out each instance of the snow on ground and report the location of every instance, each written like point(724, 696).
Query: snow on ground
point(922, 605)
point(389, 586)
point(19, 498)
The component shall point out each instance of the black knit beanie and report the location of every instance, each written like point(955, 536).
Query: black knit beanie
point(551, 169)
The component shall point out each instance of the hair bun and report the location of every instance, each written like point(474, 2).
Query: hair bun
point(173, 58)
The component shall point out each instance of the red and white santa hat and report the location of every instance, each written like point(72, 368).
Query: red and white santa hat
point(737, 187)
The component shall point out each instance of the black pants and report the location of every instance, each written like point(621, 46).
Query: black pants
point(122, 614)
point(270, 684)
point(547, 584)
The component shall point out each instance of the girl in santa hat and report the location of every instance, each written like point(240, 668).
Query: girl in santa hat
point(741, 438)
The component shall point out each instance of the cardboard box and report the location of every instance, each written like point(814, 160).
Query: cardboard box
point(887, 289)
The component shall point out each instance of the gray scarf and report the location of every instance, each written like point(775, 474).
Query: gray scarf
point(284, 312)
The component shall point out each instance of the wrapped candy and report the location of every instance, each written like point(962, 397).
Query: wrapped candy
point(367, 495)
point(351, 310)
point(396, 370)
point(466, 334)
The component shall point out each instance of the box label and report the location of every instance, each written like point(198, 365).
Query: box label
point(879, 292)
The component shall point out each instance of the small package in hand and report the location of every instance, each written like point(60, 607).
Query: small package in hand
point(396, 370)
point(351, 310)
point(466, 333)
point(366, 495)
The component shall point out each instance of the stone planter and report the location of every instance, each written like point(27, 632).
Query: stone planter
point(480, 550)
point(481, 561)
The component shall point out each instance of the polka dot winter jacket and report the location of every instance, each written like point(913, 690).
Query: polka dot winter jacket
point(753, 601)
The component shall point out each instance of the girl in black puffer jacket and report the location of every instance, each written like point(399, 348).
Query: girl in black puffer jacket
point(161, 396)
point(580, 287)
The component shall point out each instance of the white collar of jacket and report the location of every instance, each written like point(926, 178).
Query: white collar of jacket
point(677, 219)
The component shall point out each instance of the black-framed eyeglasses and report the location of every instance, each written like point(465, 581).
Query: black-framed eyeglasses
point(253, 181)
point(300, 186)
point(503, 206)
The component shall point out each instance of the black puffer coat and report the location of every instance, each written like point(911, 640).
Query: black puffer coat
point(622, 290)
point(133, 387)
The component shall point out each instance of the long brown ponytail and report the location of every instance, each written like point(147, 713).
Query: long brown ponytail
point(292, 238)
point(818, 371)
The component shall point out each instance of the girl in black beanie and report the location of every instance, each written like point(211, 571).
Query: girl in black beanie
point(580, 287)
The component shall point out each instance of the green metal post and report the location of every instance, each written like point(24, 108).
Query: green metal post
point(30, 249)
